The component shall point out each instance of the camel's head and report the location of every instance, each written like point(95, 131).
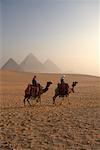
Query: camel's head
point(74, 83)
point(49, 83)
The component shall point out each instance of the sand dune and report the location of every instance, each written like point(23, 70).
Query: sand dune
point(44, 126)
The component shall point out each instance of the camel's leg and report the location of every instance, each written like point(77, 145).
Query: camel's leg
point(62, 100)
point(28, 101)
point(40, 100)
point(54, 99)
point(68, 100)
point(24, 100)
point(72, 89)
point(37, 98)
point(67, 95)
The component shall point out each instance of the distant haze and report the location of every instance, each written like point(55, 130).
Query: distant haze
point(64, 31)
point(32, 64)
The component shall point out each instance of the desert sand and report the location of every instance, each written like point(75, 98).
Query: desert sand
point(46, 126)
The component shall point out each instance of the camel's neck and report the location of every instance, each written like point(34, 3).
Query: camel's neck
point(46, 88)
point(72, 89)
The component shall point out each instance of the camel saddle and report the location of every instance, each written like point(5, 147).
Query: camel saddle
point(32, 90)
point(63, 88)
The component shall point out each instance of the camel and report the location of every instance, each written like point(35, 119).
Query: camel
point(64, 90)
point(30, 92)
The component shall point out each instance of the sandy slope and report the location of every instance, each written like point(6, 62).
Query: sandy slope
point(48, 127)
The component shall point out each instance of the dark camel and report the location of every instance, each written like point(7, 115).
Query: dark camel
point(63, 90)
point(29, 92)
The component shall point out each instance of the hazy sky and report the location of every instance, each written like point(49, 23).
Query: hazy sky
point(66, 31)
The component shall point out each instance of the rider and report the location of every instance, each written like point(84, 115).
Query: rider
point(35, 84)
point(61, 84)
point(62, 79)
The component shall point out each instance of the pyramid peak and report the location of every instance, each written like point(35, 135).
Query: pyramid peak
point(11, 64)
point(10, 59)
point(51, 66)
point(49, 61)
point(30, 55)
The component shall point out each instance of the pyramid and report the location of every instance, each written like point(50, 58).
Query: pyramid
point(11, 65)
point(32, 64)
point(51, 67)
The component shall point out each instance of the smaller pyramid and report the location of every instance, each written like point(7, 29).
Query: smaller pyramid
point(51, 67)
point(11, 65)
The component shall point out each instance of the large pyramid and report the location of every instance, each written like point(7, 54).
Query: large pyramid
point(32, 64)
point(11, 65)
point(51, 67)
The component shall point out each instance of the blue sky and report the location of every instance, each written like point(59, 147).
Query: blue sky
point(67, 31)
